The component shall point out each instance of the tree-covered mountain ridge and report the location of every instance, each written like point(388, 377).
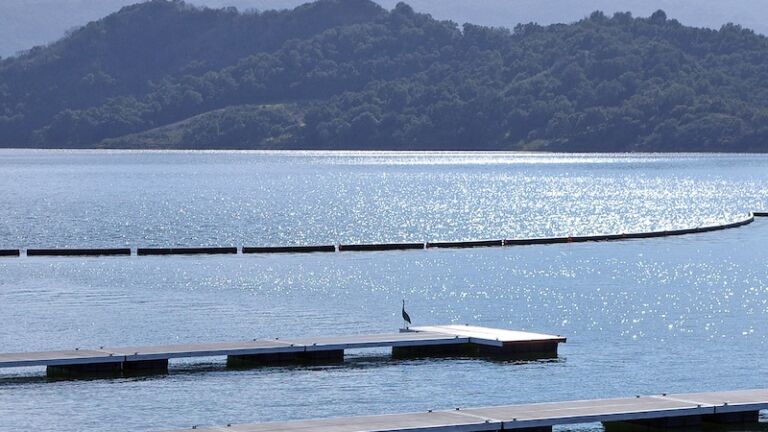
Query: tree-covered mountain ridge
point(348, 74)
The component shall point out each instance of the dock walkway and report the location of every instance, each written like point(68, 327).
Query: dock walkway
point(659, 412)
point(417, 341)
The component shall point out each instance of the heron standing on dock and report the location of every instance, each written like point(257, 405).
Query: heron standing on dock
point(406, 317)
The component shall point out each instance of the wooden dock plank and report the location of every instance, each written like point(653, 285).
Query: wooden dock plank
point(58, 358)
point(527, 416)
point(204, 350)
point(489, 336)
point(588, 411)
point(729, 401)
point(378, 340)
point(439, 421)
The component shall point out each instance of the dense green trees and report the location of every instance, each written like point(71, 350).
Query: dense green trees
point(347, 74)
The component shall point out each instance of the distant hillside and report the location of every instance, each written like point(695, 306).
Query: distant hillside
point(348, 74)
point(26, 23)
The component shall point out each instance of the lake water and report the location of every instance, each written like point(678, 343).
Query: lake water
point(674, 314)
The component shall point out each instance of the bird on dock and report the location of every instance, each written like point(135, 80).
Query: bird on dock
point(406, 317)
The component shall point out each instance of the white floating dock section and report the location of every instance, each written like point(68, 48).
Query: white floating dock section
point(450, 340)
point(658, 412)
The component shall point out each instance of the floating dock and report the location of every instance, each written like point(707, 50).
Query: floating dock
point(447, 340)
point(79, 252)
point(186, 251)
point(365, 247)
point(633, 413)
point(288, 249)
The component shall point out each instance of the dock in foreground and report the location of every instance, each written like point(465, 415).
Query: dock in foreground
point(633, 413)
point(448, 340)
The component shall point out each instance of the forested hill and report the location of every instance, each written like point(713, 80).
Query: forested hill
point(347, 74)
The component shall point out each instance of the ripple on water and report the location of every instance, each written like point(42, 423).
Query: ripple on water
point(273, 198)
point(646, 316)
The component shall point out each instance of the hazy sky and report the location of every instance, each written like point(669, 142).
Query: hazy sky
point(26, 23)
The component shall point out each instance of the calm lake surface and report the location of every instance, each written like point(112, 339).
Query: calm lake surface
point(674, 314)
